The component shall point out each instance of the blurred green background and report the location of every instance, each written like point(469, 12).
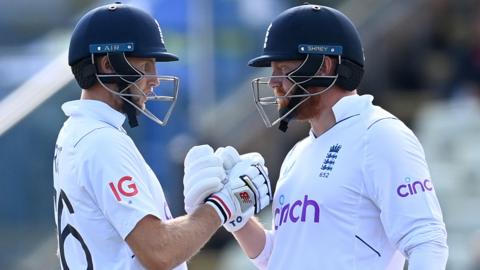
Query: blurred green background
point(422, 64)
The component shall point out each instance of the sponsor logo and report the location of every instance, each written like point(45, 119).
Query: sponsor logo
point(329, 160)
point(245, 197)
point(409, 188)
point(125, 186)
point(299, 211)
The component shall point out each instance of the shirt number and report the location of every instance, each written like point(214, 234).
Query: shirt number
point(69, 230)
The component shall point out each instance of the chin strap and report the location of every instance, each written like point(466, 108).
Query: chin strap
point(308, 68)
point(128, 76)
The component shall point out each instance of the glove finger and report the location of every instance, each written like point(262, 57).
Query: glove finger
point(252, 171)
point(247, 168)
point(259, 180)
point(203, 162)
point(264, 184)
point(256, 169)
point(240, 181)
point(198, 193)
point(229, 155)
point(199, 176)
point(196, 152)
point(240, 171)
point(263, 169)
point(264, 202)
point(262, 189)
point(254, 157)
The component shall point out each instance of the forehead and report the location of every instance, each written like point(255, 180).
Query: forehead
point(138, 60)
point(284, 64)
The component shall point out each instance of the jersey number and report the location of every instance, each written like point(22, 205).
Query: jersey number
point(69, 229)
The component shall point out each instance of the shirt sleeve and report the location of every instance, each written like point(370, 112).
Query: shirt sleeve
point(114, 175)
point(398, 181)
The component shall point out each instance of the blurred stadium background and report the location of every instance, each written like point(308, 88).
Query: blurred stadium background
point(423, 64)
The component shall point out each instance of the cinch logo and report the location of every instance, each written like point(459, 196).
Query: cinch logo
point(131, 189)
point(296, 212)
point(408, 189)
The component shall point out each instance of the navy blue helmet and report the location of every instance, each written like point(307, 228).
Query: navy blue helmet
point(309, 33)
point(119, 24)
point(119, 31)
point(311, 25)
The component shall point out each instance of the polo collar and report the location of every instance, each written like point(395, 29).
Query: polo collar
point(350, 105)
point(94, 109)
point(347, 107)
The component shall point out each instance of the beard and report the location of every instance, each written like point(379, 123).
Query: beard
point(307, 110)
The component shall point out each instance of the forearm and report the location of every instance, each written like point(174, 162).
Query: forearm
point(251, 238)
point(164, 245)
point(256, 242)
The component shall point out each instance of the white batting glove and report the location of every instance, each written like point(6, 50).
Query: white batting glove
point(230, 158)
point(246, 193)
point(204, 174)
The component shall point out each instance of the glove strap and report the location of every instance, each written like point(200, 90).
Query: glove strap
point(221, 207)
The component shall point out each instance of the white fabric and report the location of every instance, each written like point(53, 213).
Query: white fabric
point(229, 155)
point(107, 183)
point(203, 176)
point(359, 196)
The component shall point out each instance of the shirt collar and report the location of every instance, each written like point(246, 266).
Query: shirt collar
point(347, 107)
point(350, 105)
point(94, 109)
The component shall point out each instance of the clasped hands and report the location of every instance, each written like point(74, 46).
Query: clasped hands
point(236, 186)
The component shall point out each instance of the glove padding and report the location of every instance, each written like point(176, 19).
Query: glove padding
point(231, 157)
point(246, 193)
point(204, 174)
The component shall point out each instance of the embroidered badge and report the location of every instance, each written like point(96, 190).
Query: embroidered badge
point(329, 161)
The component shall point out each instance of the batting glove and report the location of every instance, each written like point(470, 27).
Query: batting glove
point(231, 157)
point(203, 176)
point(246, 193)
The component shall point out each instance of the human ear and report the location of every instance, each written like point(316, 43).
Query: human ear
point(104, 65)
point(328, 67)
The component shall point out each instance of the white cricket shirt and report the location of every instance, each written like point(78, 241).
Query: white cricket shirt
point(357, 197)
point(103, 188)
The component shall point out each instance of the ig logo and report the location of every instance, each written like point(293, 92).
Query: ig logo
point(127, 190)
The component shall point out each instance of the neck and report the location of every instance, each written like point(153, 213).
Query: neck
point(325, 118)
point(97, 92)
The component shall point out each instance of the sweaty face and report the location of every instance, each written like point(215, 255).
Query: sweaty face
point(282, 86)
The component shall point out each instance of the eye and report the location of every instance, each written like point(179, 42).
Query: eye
point(286, 69)
point(149, 68)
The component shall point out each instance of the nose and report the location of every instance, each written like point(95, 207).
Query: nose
point(274, 82)
point(153, 81)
